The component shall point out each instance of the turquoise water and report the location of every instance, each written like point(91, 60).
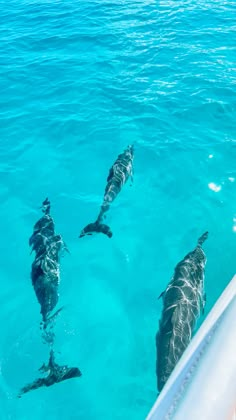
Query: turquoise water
point(79, 81)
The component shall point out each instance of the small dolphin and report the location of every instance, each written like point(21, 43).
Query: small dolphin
point(56, 374)
point(119, 173)
point(45, 273)
point(183, 300)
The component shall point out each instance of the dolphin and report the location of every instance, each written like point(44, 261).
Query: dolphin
point(56, 374)
point(202, 385)
point(119, 173)
point(45, 274)
point(183, 300)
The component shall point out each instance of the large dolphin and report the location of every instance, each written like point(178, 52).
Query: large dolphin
point(45, 272)
point(182, 300)
point(119, 173)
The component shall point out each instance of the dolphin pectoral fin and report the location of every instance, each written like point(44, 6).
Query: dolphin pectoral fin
point(131, 179)
point(110, 175)
point(53, 316)
point(161, 295)
point(163, 292)
point(66, 247)
point(46, 322)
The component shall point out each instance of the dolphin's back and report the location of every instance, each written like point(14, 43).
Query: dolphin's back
point(45, 284)
point(118, 176)
point(172, 339)
point(182, 303)
point(45, 273)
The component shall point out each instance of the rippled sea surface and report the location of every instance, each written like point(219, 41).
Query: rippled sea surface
point(79, 81)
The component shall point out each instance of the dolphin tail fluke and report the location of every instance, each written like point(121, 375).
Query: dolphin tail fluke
point(96, 227)
point(202, 238)
point(56, 374)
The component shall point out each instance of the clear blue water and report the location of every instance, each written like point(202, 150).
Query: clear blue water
point(79, 80)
